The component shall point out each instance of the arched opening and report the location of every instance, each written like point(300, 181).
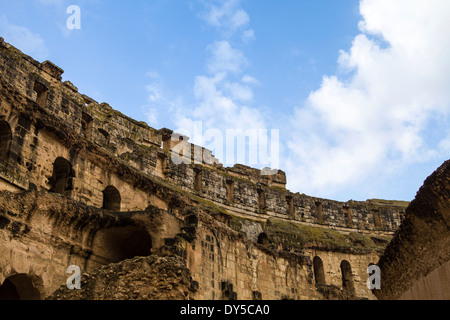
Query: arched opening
point(347, 278)
point(120, 243)
point(111, 199)
point(290, 206)
point(19, 287)
point(86, 125)
point(5, 140)
point(198, 180)
point(162, 166)
point(263, 239)
point(319, 212)
point(192, 220)
point(319, 272)
point(348, 215)
point(40, 93)
point(376, 219)
point(61, 180)
point(104, 137)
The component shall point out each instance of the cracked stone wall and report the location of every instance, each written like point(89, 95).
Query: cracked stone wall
point(60, 122)
point(256, 239)
point(42, 234)
point(416, 264)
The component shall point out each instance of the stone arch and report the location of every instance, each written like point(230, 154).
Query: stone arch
point(40, 93)
point(162, 166)
point(120, 243)
point(290, 206)
point(348, 215)
point(62, 179)
point(86, 125)
point(319, 212)
point(20, 287)
point(347, 277)
point(104, 137)
point(319, 271)
point(111, 199)
point(263, 239)
point(192, 220)
point(198, 180)
point(5, 140)
point(376, 219)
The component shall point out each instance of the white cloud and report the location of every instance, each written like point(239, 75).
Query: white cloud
point(248, 35)
point(374, 116)
point(238, 91)
point(218, 109)
point(249, 80)
point(222, 96)
point(238, 19)
point(160, 102)
point(30, 43)
point(153, 75)
point(226, 15)
point(154, 92)
point(225, 58)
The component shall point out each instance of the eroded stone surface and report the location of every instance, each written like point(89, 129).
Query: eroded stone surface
point(415, 265)
point(83, 184)
point(141, 278)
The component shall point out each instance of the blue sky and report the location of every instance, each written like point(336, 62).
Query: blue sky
point(357, 88)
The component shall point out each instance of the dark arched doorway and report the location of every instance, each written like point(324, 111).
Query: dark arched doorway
point(117, 244)
point(19, 287)
point(319, 272)
point(5, 140)
point(263, 239)
point(61, 180)
point(347, 278)
point(111, 199)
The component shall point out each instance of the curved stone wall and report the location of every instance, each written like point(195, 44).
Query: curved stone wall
point(415, 264)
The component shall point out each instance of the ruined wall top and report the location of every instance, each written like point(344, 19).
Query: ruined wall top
point(242, 190)
point(109, 119)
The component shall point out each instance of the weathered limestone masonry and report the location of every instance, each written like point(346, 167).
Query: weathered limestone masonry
point(416, 264)
point(82, 184)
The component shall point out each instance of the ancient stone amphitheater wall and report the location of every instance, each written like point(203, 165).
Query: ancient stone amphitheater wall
point(83, 184)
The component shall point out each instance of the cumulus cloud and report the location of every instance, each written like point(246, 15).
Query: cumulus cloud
point(223, 96)
point(218, 106)
point(161, 101)
point(373, 115)
point(21, 37)
point(226, 15)
point(217, 111)
point(248, 35)
point(225, 58)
